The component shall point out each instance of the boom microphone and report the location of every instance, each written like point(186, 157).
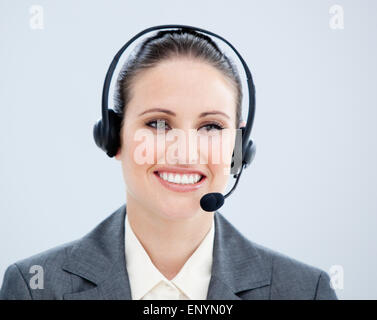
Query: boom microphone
point(213, 201)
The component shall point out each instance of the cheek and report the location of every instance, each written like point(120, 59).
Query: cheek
point(220, 149)
point(137, 153)
point(142, 150)
point(220, 169)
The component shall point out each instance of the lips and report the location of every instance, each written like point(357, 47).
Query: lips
point(180, 180)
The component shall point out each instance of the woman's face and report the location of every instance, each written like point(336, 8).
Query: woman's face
point(172, 105)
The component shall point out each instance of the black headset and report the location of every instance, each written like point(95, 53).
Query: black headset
point(106, 131)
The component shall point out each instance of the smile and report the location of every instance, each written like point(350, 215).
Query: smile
point(180, 178)
point(180, 182)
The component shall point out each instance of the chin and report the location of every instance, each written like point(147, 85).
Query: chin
point(179, 209)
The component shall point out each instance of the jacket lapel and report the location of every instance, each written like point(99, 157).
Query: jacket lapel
point(237, 266)
point(99, 257)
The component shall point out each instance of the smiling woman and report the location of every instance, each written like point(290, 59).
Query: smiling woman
point(183, 80)
point(161, 244)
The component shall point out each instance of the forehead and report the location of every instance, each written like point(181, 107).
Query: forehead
point(184, 86)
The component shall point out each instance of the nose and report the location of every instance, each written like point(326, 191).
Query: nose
point(182, 146)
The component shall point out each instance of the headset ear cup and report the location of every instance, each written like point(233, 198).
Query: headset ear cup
point(113, 142)
point(108, 140)
point(237, 163)
point(98, 135)
point(249, 153)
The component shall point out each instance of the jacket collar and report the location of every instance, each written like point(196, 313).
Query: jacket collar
point(99, 257)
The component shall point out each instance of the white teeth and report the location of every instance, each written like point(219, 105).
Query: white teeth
point(180, 178)
point(185, 179)
point(177, 178)
point(171, 177)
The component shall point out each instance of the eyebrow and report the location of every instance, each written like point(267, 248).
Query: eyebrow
point(203, 114)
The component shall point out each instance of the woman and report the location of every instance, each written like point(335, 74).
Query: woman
point(161, 244)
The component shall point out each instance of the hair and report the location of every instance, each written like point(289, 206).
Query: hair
point(165, 45)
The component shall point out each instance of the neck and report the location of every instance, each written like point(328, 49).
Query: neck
point(169, 243)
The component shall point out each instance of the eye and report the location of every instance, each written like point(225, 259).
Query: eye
point(158, 124)
point(212, 126)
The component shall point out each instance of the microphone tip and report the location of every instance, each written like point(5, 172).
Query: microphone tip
point(212, 201)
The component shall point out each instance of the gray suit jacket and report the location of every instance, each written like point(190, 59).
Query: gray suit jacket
point(94, 267)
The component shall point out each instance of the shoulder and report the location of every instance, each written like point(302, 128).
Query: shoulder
point(37, 270)
point(72, 266)
point(293, 279)
point(282, 276)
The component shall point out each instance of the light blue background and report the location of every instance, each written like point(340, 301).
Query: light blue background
point(311, 191)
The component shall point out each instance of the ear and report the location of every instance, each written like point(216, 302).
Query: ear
point(117, 156)
point(242, 123)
